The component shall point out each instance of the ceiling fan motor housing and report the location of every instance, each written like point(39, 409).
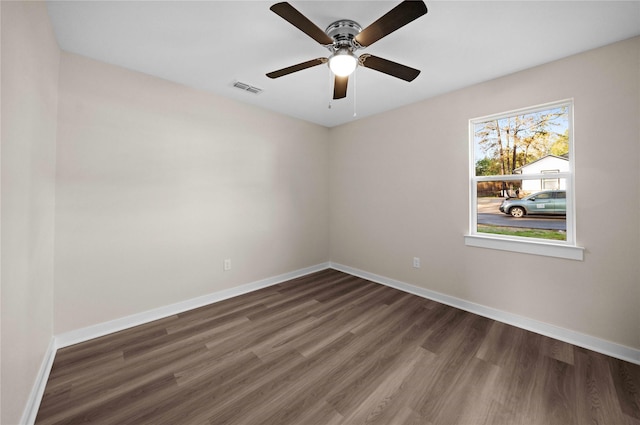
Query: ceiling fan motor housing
point(343, 33)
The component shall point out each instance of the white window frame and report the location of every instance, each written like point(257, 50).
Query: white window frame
point(561, 249)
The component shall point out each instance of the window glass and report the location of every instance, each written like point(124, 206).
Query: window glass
point(540, 216)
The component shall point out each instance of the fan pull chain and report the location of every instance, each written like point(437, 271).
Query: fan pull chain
point(330, 91)
point(355, 97)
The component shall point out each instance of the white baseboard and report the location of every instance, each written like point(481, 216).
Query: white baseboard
point(609, 348)
point(84, 334)
point(33, 402)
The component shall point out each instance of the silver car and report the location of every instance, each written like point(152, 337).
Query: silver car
point(549, 202)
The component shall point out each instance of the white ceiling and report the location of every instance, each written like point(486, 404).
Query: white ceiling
point(209, 45)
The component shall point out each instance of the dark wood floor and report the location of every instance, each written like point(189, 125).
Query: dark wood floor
point(331, 348)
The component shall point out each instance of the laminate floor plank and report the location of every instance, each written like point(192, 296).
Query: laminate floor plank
point(92, 392)
point(334, 349)
point(274, 393)
point(383, 399)
point(449, 367)
point(626, 377)
point(365, 294)
point(312, 388)
point(225, 397)
point(597, 401)
point(378, 360)
point(320, 414)
point(469, 396)
point(191, 323)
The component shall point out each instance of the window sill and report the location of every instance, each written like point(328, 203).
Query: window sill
point(569, 252)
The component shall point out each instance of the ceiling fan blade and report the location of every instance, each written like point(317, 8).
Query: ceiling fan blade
point(340, 87)
point(397, 17)
point(295, 68)
point(389, 67)
point(298, 20)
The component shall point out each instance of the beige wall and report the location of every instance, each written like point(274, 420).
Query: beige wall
point(399, 189)
point(30, 58)
point(157, 184)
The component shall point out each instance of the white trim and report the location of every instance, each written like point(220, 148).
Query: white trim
point(572, 337)
point(37, 391)
point(569, 252)
point(80, 335)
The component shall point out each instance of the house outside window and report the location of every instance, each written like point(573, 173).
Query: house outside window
point(521, 181)
point(549, 164)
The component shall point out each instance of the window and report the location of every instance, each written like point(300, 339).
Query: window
point(550, 184)
point(521, 191)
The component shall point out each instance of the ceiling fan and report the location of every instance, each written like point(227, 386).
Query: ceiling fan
point(344, 37)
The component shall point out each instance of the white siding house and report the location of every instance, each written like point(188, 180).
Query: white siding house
point(546, 164)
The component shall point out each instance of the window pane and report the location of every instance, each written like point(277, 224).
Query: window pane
point(505, 208)
point(527, 143)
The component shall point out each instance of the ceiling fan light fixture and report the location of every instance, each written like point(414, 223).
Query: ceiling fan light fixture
point(343, 62)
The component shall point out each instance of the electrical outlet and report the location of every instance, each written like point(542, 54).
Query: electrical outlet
point(416, 262)
point(226, 265)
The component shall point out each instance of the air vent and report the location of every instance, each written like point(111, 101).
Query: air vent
point(247, 87)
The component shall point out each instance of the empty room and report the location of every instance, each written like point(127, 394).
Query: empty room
point(320, 212)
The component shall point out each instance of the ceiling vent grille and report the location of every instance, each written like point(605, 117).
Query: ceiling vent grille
point(247, 87)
